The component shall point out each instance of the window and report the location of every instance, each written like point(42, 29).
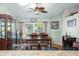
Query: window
point(35, 27)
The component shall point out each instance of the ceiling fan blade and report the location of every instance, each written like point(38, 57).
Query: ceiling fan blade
point(43, 11)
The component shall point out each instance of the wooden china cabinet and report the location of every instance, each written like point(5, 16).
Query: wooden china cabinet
point(7, 31)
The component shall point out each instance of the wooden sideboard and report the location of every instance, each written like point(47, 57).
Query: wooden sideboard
point(39, 42)
point(67, 41)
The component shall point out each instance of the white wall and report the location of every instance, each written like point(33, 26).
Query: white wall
point(55, 33)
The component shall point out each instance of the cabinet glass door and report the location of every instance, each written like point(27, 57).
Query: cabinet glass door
point(11, 33)
point(2, 28)
point(8, 29)
point(13, 30)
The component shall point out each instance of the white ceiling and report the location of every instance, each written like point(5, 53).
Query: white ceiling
point(54, 9)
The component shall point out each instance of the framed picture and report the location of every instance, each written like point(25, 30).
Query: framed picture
point(71, 23)
point(55, 25)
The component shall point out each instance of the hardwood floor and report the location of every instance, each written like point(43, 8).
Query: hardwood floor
point(54, 45)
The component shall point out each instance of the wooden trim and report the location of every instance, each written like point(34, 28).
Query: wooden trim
point(5, 18)
point(5, 40)
point(45, 26)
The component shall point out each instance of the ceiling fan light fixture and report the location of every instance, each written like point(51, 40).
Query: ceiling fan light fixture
point(36, 12)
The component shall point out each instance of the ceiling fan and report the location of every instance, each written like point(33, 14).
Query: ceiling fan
point(37, 9)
